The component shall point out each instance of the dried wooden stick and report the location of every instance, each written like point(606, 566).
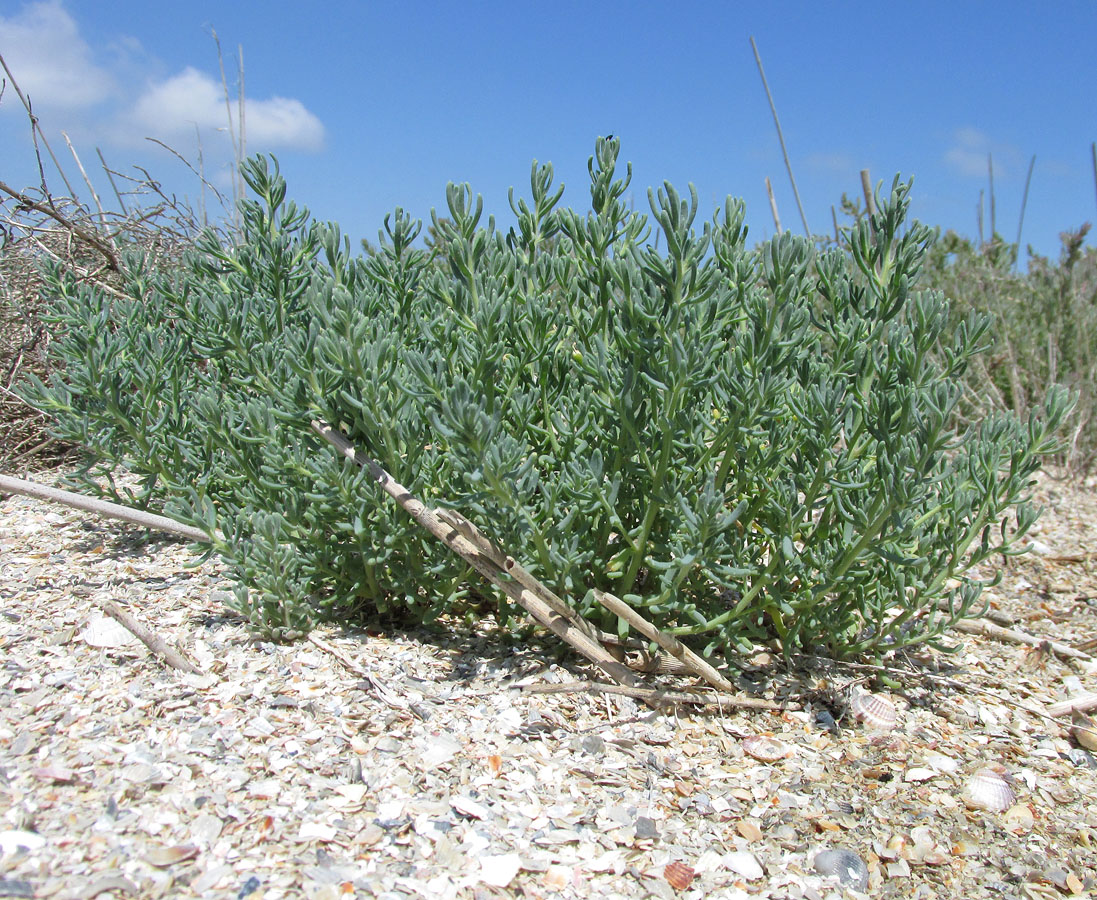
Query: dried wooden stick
point(648, 662)
point(773, 206)
point(339, 655)
point(672, 645)
point(36, 131)
point(1012, 636)
point(866, 189)
point(993, 615)
point(509, 565)
point(103, 508)
point(87, 181)
point(1070, 557)
point(1080, 702)
point(114, 186)
point(560, 624)
point(157, 646)
point(1024, 202)
point(88, 237)
point(947, 682)
point(1093, 153)
point(657, 698)
point(780, 136)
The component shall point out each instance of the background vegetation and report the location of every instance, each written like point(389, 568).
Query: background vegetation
point(1044, 332)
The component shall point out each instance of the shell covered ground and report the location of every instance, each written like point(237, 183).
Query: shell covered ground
point(455, 763)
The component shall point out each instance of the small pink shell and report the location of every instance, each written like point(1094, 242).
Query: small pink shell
point(988, 790)
point(766, 749)
point(874, 710)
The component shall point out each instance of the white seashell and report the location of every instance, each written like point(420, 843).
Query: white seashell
point(845, 865)
point(466, 806)
point(875, 710)
point(939, 762)
point(766, 749)
point(745, 863)
point(104, 632)
point(557, 877)
point(988, 790)
point(499, 871)
point(1019, 818)
point(11, 842)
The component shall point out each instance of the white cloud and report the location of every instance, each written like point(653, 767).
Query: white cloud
point(832, 163)
point(170, 109)
point(50, 61)
point(178, 104)
point(96, 94)
point(968, 154)
point(281, 121)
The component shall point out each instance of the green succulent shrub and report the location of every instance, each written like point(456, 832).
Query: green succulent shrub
point(746, 444)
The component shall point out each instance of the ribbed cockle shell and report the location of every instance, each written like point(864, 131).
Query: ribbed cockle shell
point(678, 875)
point(989, 790)
point(874, 710)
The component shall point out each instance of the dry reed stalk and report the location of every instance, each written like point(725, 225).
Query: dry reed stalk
point(780, 137)
point(866, 189)
point(773, 206)
point(36, 131)
point(990, 178)
point(1024, 203)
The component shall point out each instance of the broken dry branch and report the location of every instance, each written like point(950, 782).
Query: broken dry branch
point(509, 565)
point(157, 645)
point(487, 563)
point(647, 662)
point(1012, 636)
point(339, 655)
point(653, 663)
point(1079, 702)
point(88, 237)
point(102, 508)
point(946, 681)
point(1070, 558)
point(672, 645)
point(991, 614)
point(658, 698)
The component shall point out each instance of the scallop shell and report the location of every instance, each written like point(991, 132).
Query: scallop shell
point(1084, 731)
point(766, 749)
point(988, 790)
point(678, 875)
point(845, 865)
point(875, 710)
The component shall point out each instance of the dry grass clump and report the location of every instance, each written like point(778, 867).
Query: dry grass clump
point(1044, 331)
point(25, 338)
point(35, 230)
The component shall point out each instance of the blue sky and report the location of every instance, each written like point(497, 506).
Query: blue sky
point(374, 105)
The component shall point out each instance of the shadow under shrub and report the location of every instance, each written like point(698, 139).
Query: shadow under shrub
point(748, 445)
